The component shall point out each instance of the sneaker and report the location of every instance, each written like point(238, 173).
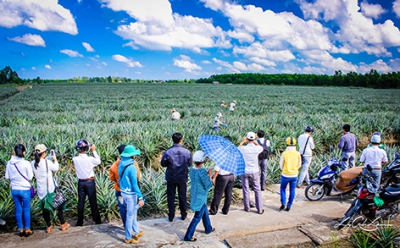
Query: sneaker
point(137, 236)
point(131, 241)
point(48, 229)
point(64, 226)
point(28, 232)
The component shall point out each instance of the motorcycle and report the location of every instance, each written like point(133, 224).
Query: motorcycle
point(392, 172)
point(366, 208)
point(324, 183)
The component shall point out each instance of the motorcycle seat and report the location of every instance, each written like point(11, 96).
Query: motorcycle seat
point(391, 191)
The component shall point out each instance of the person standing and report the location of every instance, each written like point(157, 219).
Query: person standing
point(218, 123)
point(42, 168)
point(175, 115)
point(375, 157)
point(223, 184)
point(232, 106)
point(86, 184)
point(289, 163)
point(250, 154)
point(348, 144)
point(263, 157)
point(177, 160)
point(130, 192)
point(114, 178)
point(306, 145)
point(223, 105)
point(201, 183)
point(19, 172)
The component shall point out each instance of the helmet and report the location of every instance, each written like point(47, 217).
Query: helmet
point(199, 156)
point(376, 139)
point(309, 129)
point(291, 141)
point(82, 146)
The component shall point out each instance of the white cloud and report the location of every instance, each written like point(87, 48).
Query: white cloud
point(206, 62)
point(88, 47)
point(378, 65)
point(263, 61)
point(71, 53)
point(33, 68)
point(372, 10)
point(258, 50)
point(30, 39)
point(104, 63)
point(395, 64)
point(128, 62)
point(47, 67)
point(158, 28)
point(42, 15)
point(229, 68)
point(185, 62)
point(396, 8)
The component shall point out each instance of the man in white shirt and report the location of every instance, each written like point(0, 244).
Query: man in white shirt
point(375, 157)
point(250, 154)
point(86, 185)
point(306, 145)
point(175, 115)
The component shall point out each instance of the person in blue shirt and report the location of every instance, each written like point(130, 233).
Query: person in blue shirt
point(348, 144)
point(177, 159)
point(128, 182)
point(201, 183)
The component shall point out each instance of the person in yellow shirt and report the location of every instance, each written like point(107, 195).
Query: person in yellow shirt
point(290, 163)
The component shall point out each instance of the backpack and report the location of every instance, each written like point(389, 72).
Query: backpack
point(266, 150)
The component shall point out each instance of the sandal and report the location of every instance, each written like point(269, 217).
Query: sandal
point(190, 240)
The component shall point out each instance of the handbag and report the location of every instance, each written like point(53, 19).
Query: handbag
point(32, 189)
point(58, 197)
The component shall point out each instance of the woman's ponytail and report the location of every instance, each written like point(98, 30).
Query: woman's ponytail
point(37, 158)
point(19, 150)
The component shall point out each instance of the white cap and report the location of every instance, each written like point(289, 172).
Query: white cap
point(199, 156)
point(376, 139)
point(219, 115)
point(251, 136)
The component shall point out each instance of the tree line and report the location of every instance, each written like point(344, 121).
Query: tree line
point(372, 79)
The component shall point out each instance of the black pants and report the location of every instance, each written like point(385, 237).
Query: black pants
point(223, 185)
point(87, 188)
point(60, 214)
point(171, 191)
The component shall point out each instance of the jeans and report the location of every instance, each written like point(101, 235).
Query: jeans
point(263, 175)
point(292, 186)
point(202, 214)
point(351, 157)
point(87, 188)
point(223, 185)
point(376, 175)
point(304, 170)
point(255, 177)
point(132, 206)
point(22, 201)
point(171, 188)
point(121, 206)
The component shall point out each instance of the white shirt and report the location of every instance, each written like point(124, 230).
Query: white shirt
point(250, 154)
point(232, 106)
point(176, 116)
point(373, 156)
point(84, 165)
point(221, 172)
point(310, 144)
point(268, 143)
point(44, 179)
point(17, 181)
point(217, 122)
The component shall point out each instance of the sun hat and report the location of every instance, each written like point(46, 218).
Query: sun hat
point(251, 136)
point(130, 151)
point(291, 141)
point(41, 148)
point(199, 156)
point(376, 139)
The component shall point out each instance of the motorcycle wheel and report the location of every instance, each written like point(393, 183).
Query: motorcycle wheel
point(315, 192)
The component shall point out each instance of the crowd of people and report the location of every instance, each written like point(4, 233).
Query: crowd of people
point(180, 164)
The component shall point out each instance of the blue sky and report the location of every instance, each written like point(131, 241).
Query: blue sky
point(185, 39)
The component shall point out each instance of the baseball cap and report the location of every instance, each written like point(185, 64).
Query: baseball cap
point(41, 148)
point(251, 136)
point(199, 156)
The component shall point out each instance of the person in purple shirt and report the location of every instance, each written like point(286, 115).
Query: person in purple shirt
point(348, 143)
point(177, 160)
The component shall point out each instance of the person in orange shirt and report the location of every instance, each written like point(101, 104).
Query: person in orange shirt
point(114, 178)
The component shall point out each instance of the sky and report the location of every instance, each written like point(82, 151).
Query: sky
point(190, 39)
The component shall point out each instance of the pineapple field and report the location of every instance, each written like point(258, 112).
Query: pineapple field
point(107, 115)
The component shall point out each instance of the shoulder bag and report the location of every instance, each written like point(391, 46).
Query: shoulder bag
point(58, 198)
point(32, 189)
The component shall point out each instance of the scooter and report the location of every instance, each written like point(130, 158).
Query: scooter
point(324, 183)
point(392, 173)
point(364, 207)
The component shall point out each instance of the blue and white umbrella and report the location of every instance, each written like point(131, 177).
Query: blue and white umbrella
point(223, 152)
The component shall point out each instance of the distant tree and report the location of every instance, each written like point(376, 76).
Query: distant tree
point(7, 75)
